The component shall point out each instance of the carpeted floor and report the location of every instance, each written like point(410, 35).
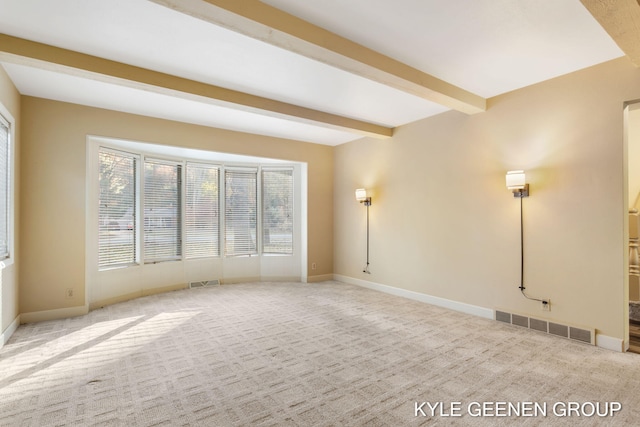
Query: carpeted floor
point(292, 354)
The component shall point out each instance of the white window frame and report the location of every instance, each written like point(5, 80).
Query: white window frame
point(180, 163)
point(184, 160)
point(8, 119)
point(136, 207)
point(220, 192)
point(223, 197)
point(264, 169)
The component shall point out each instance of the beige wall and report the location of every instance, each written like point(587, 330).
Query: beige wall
point(10, 99)
point(444, 224)
point(53, 186)
point(442, 221)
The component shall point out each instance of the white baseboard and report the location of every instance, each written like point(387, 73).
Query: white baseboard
point(60, 313)
point(6, 334)
point(603, 341)
point(320, 278)
point(232, 280)
point(475, 310)
point(610, 343)
point(294, 279)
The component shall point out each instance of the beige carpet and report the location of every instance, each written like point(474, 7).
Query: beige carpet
point(290, 354)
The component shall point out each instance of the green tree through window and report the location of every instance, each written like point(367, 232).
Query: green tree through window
point(117, 213)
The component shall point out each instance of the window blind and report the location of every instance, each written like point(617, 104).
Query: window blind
point(202, 234)
point(277, 211)
point(5, 173)
point(241, 205)
point(162, 210)
point(117, 212)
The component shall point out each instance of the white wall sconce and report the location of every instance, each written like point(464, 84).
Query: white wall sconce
point(361, 196)
point(516, 182)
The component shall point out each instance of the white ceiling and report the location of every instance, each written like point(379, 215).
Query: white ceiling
point(487, 47)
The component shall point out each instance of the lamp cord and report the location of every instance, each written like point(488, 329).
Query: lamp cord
point(521, 287)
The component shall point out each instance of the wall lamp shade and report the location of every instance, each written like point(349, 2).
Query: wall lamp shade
point(516, 182)
point(361, 196)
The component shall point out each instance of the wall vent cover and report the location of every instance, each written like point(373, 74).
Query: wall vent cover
point(501, 316)
point(538, 325)
point(580, 334)
point(557, 329)
point(204, 284)
point(518, 320)
point(566, 331)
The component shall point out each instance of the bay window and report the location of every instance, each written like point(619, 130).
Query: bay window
point(154, 210)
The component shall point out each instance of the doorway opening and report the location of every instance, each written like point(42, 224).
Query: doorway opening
point(632, 206)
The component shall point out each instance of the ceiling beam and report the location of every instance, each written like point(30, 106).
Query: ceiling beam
point(269, 24)
point(26, 52)
point(621, 19)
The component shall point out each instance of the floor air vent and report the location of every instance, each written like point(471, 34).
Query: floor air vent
point(571, 332)
point(204, 283)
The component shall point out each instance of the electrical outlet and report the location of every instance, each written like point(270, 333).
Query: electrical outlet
point(68, 293)
point(546, 305)
point(313, 266)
